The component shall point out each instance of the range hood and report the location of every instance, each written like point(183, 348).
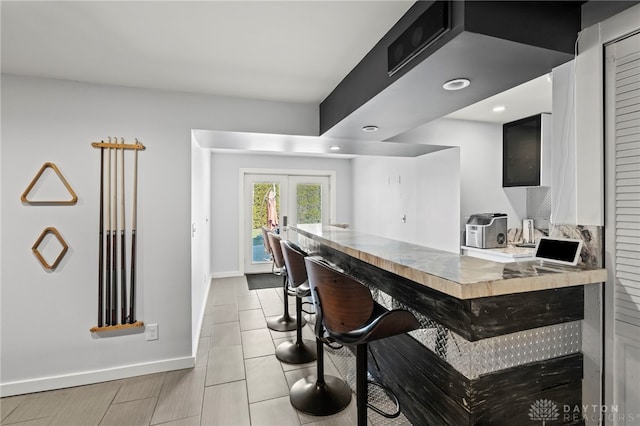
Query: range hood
point(497, 45)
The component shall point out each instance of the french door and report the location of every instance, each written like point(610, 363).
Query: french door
point(622, 230)
point(275, 201)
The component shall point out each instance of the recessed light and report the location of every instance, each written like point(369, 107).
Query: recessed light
point(499, 108)
point(334, 148)
point(370, 128)
point(456, 84)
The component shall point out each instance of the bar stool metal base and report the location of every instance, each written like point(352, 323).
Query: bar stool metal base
point(284, 323)
point(294, 353)
point(320, 399)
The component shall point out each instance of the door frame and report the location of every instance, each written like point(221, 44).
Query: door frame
point(331, 174)
point(281, 183)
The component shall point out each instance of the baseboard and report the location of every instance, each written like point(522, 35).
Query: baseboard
point(95, 376)
point(227, 274)
point(196, 340)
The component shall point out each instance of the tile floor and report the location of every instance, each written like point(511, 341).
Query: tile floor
point(237, 379)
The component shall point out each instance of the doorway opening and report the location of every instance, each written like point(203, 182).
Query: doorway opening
point(276, 198)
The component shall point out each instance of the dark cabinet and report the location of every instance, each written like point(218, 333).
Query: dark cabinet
point(525, 156)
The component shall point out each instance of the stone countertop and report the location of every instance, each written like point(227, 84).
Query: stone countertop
point(510, 251)
point(463, 277)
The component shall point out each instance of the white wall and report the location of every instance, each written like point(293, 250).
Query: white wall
point(563, 149)
point(425, 189)
point(45, 317)
point(226, 190)
point(200, 236)
point(384, 190)
point(589, 134)
point(480, 166)
point(438, 200)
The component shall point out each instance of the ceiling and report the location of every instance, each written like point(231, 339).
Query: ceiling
point(297, 145)
point(290, 51)
point(530, 98)
point(293, 51)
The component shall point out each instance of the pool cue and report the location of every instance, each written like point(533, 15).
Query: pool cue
point(123, 278)
point(108, 236)
point(132, 281)
point(101, 243)
point(114, 241)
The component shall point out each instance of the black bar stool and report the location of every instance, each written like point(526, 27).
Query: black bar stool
point(346, 309)
point(321, 395)
point(267, 247)
point(285, 322)
point(300, 351)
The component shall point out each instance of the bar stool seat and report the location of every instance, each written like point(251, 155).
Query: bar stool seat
point(351, 317)
point(301, 350)
point(285, 322)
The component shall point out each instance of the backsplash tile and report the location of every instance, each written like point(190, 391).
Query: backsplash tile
point(591, 236)
point(539, 206)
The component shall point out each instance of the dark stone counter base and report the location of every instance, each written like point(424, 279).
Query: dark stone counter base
point(431, 392)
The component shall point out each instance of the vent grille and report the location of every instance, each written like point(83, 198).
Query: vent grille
point(430, 26)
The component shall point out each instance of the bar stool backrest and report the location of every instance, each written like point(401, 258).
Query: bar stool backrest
point(265, 239)
point(294, 261)
point(342, 303)
point(276, 250)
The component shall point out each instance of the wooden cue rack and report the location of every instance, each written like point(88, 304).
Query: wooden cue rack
point(124, 324)
point(116, 327)
point(103, 144)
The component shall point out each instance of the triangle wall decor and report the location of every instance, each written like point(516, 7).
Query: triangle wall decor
point(74, 197)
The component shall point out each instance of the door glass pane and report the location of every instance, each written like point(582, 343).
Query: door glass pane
point(266, 207)
point(309, 203)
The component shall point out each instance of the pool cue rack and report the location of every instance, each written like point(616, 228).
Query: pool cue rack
point(115, 145)
point(116, 327)
point(116, 296)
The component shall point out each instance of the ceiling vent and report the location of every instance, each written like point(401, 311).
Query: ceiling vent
point(425, 30)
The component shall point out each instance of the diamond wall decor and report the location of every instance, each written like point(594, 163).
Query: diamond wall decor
point(56, 234)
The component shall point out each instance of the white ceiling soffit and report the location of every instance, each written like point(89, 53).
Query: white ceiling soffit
point(292, 51)
point(530, 98)
point(266, 143)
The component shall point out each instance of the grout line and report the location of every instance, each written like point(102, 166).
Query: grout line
point(4, 416)
point(25, 421)
point(244, 365)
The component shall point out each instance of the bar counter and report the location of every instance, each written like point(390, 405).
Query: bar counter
point(495, 338)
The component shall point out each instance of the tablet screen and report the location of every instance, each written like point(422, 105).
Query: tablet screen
point(560, 250)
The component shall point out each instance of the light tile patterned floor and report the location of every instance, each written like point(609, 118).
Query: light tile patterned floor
point(237, 380)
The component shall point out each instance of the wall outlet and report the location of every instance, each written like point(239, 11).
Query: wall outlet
point(151, 331)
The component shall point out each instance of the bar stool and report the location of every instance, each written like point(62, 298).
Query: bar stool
point(285, 322)
point(321, 395)
point(267, 246)
point(351, 317)
point(300, 351)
